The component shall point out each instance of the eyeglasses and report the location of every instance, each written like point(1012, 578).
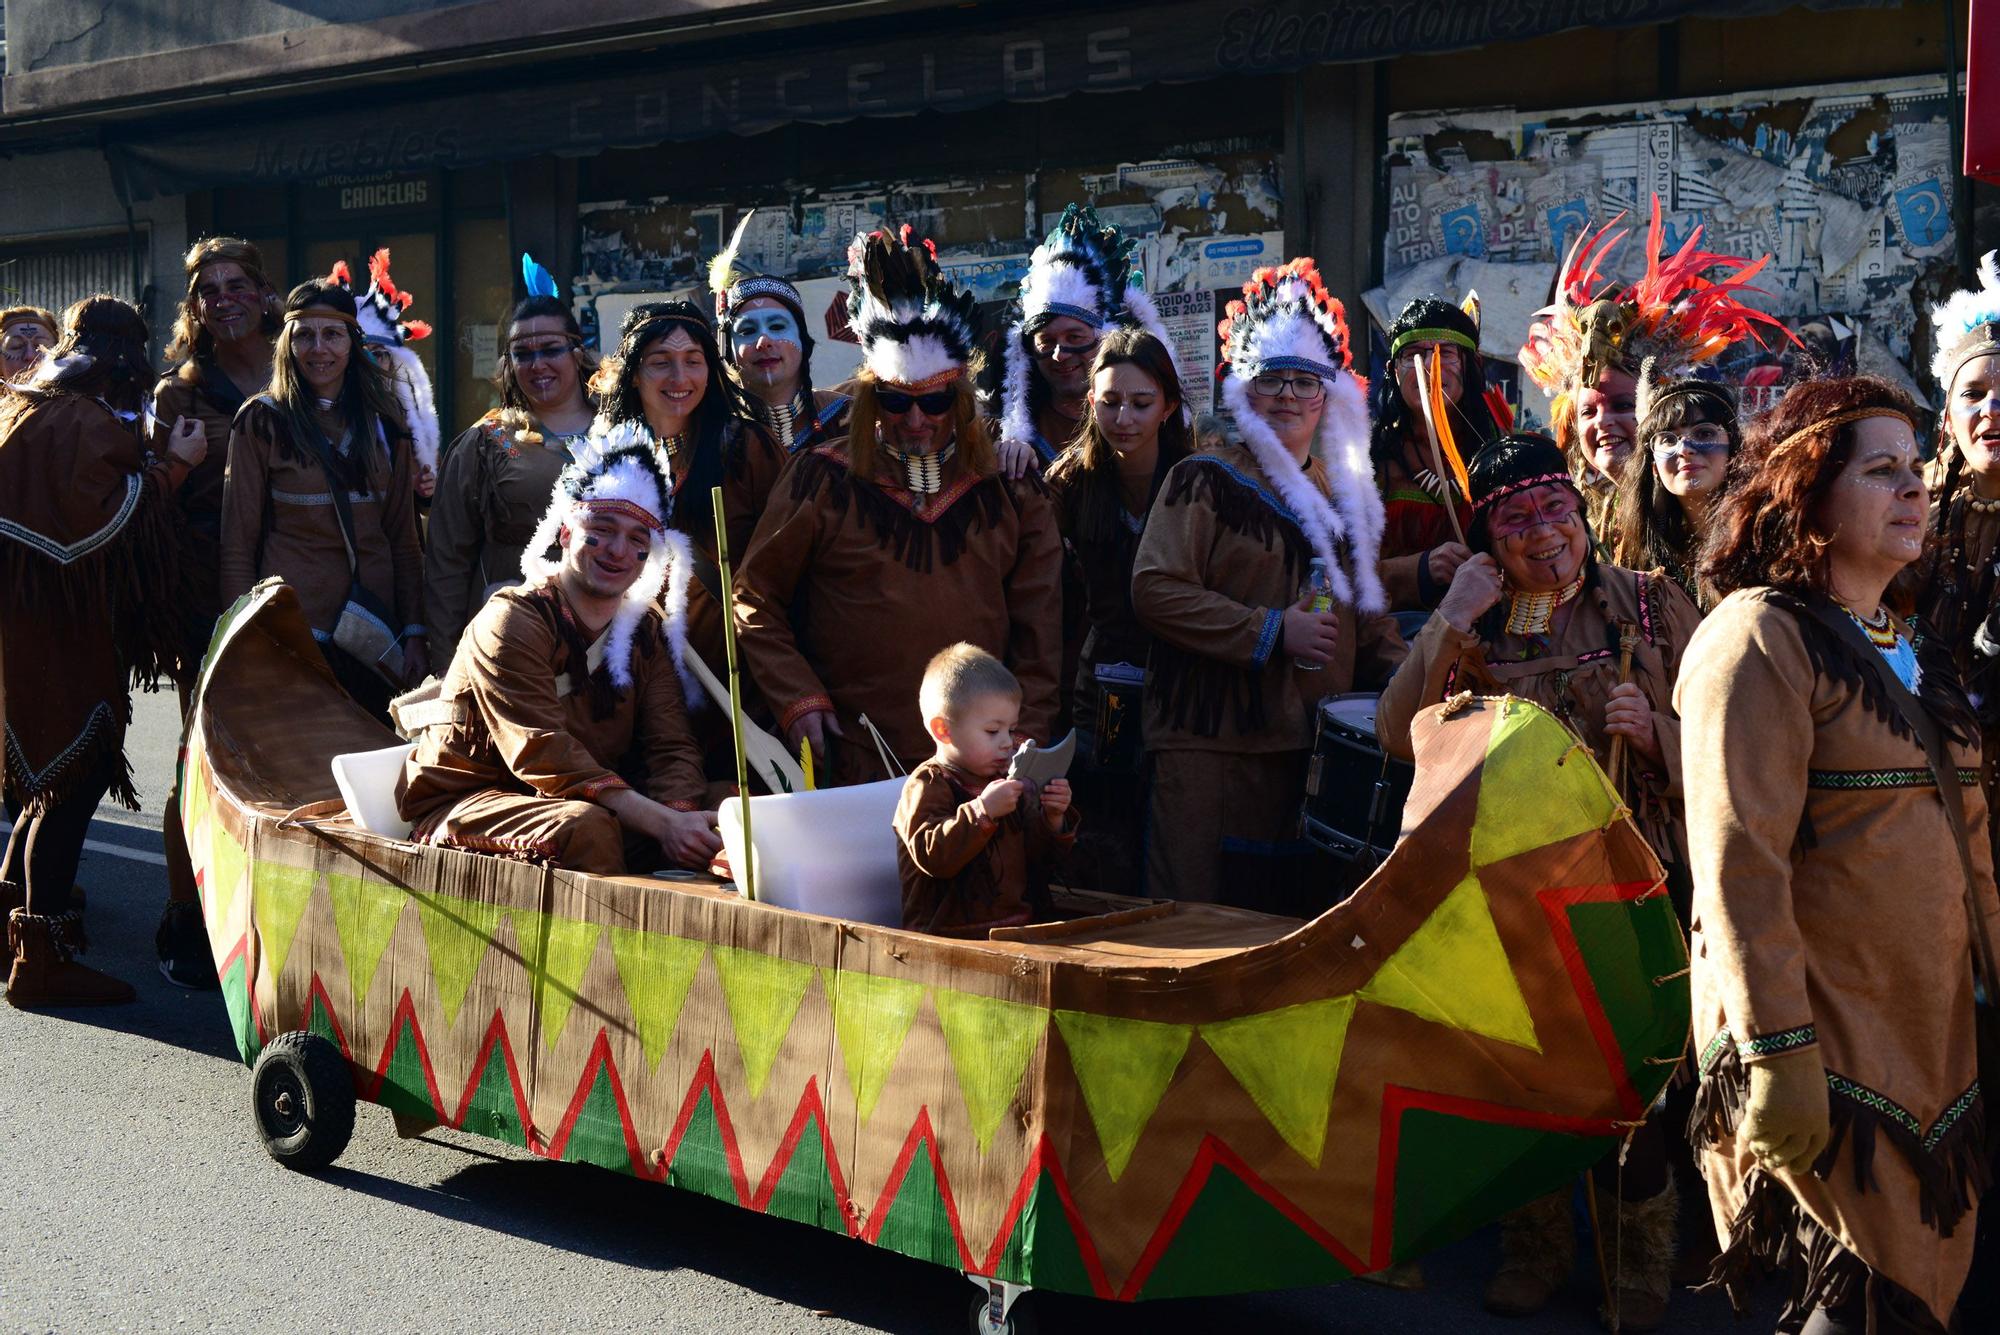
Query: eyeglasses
point(895, 402)
point(1058, 351)
point(1305, 388)
point(548, 352)
point(1703, 439)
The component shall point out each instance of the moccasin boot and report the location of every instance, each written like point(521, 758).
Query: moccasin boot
point(1640, 1240)
point(45, 972)
point(1537, 1253)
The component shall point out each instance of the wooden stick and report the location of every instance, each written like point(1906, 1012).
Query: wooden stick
point(746, 875)
point(1628, 640)
point(1438, 465)
point(1597, 1239)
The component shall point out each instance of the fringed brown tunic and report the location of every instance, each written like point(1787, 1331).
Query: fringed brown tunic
point(493, 490)
point(851, 585)
point(88, 569)
point(963, 875)
point(1829, 914)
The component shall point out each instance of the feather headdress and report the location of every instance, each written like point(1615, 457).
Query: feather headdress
point(1967, 324)
point(1083, 269)
point(915, 328)
point(732, 282)
point(1286, 320)
point(1673, 313)
point(379, 311)
point(618, 468)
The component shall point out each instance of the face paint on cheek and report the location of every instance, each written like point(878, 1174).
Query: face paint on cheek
point(590, 540)
point(774, 325)
point(1872, 481)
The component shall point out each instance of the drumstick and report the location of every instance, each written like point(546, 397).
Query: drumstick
point(1628, 639)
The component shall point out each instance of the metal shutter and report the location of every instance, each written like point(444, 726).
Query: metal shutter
point(52, 275)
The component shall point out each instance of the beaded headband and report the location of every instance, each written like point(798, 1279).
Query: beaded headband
point(321, 313)
point(1539, 480)
point(1837, 420)
point(630, 509)
point(1409, 336)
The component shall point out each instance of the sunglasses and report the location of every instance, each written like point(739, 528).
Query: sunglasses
point(895, 402)
point(525, 356)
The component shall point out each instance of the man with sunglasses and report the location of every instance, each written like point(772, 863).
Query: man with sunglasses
point(1080, 285)
point(877, 551)
point(760, 321)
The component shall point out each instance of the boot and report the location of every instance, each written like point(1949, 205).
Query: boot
point(45, 974)
point(1537, 1252)
point(1640, 1240)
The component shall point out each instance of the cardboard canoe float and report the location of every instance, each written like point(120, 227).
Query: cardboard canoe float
point(1152, 1100)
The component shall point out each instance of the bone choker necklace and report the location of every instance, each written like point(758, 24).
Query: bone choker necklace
point(923, 474)
point(783, 419)
point(1531, 613)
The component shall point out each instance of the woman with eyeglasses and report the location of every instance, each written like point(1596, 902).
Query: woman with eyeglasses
point(321, 492)
point(1687, 437)
point(1243, 650)
point(1104, 485)
point(1533, 613)
point(497, 476)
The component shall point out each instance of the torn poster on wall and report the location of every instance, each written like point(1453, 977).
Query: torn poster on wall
point(1847, 187)
point(1199, 221)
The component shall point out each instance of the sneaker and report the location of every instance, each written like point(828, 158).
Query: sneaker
point(182, 943)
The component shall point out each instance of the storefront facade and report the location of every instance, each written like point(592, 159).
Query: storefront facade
point(1218, 136)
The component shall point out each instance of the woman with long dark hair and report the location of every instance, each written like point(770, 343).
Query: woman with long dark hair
point(668, 380)
point(1839, 1110)
point(1104, 484)
point(88, 601)
point(496, 477)
point(321, 494)
point(1687, 437)
point(1533, 613)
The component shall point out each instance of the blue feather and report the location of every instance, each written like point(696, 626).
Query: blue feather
point(541, 283)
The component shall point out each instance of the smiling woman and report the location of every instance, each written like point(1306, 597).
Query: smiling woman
point(320, 492)
point(1688, 438)
point(1533, 613)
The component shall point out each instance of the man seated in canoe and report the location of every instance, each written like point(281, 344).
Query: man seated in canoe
point(561, 679)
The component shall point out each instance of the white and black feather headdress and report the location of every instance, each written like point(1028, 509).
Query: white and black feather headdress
point(915, 328)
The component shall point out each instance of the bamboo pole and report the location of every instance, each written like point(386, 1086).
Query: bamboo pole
point(746, 875)
point(1628, 640)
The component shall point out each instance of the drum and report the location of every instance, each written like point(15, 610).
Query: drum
point(1354, 791)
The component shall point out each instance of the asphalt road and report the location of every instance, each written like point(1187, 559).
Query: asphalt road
point(134, 1196)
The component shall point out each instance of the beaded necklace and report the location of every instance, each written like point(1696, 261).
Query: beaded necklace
point(923, 474)
point(1531, 613)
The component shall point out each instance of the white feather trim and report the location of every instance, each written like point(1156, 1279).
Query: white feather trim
point(1016, 422)
point(419, 404)
point(673, 621)
point(1342, 446)
point(1059, 282)
point(1316, 515)
point(1964, 312)
point(1289, 333)
point(913, 362)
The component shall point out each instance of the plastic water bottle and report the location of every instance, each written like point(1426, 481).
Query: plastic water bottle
point(1319, 588)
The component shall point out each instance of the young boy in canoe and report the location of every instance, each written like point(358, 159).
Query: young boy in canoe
point(974, 845)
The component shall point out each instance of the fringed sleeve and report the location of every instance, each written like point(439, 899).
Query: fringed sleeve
point(1745, 696)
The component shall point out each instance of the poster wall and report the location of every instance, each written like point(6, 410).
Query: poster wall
point(1847, 187)
point(1200, 223)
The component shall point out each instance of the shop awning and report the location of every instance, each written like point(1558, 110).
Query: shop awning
point(829, 80)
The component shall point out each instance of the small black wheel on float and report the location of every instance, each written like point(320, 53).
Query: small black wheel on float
point(1020, 1318)
point(303, 1099)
